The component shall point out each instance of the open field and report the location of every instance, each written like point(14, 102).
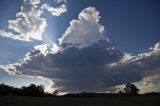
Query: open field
point(80, 101)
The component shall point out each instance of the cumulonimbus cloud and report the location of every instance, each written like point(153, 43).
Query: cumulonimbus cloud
point(85, 60)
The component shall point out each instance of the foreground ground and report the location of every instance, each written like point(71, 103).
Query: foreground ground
point(80, 101)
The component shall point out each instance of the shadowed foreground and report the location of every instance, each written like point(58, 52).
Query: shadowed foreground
point(80, 101)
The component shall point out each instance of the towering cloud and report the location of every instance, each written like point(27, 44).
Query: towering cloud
point(85, 60)
point(85, 30)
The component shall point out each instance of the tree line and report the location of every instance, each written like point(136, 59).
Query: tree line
point(39, 90)
point(31, 90)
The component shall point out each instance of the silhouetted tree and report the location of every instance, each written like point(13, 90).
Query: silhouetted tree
point(120, 92)
point(33, 90)
point(131, 89)
point(55, 92)
point(5, 89)
point(38, 90)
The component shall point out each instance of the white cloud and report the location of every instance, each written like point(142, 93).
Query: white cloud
point(78, 61)
point(154, 51)
point(10, 35)
point(29, 24)
point(61, 1)
point(32, 2)
point(10, 68)
point(127, 57)
point(55, 11)
point(147, 84)
point(85, 30)
point(55, 48)
point(46, 49)
point(110, 65)
point(48, 84)
point(43, 48)
point(157, 47)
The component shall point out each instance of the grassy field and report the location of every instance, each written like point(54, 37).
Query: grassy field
point(80, 101)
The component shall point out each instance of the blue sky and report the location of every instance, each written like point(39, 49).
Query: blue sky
point(126, 21)
point(132, 25)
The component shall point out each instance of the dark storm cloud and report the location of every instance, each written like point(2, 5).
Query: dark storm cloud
point(86, 69)
point(84, 60)
point(74, 69)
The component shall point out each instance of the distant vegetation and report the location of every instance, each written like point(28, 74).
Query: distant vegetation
point(38, 90)
point(31, 90)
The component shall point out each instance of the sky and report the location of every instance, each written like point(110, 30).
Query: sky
point(63, 43)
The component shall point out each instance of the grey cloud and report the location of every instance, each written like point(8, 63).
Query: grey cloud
point(74, 69)
point(77, 63)
point(77, 70)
